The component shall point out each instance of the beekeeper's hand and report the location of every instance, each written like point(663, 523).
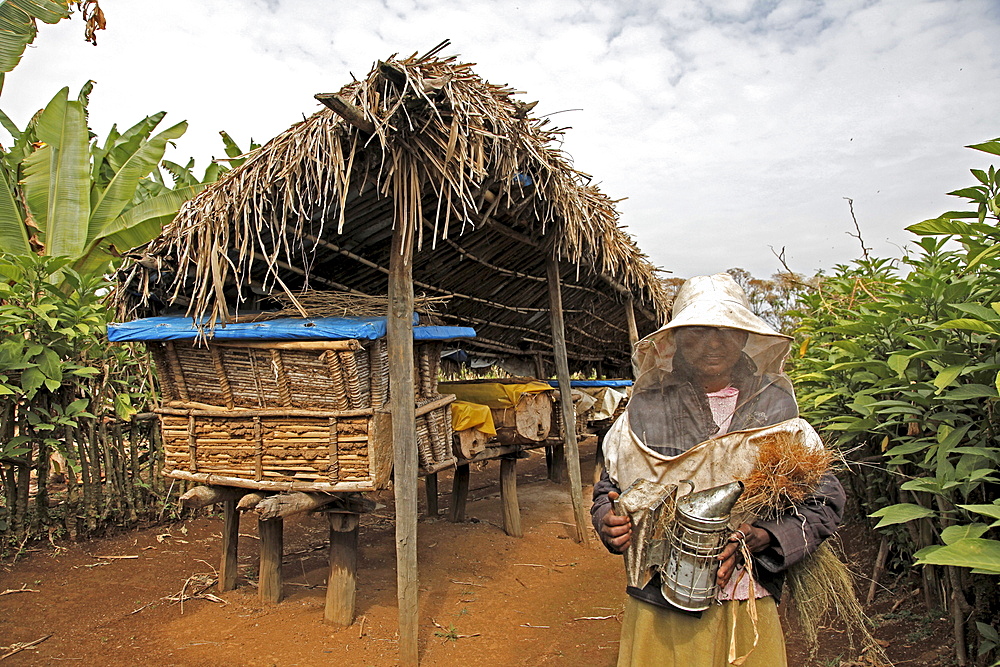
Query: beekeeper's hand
point(616, 531)
point(756, 539)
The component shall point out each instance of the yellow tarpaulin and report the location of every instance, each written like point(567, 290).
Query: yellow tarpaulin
point(493, 394)
point(472, 415)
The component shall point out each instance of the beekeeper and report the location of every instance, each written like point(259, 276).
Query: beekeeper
point(711, 374)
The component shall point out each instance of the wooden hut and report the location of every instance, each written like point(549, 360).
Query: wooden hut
point(423, 177)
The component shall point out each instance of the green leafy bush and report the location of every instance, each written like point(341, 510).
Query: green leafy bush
point(68, 397)
point(900, 366)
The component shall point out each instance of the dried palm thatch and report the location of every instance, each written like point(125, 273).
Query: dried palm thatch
point(448, 152)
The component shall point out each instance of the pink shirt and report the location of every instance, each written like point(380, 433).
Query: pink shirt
point(723, 405)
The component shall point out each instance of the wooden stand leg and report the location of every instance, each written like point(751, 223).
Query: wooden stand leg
point(229, 568)
point(599, 461)
point(508, 497)
point(431, 486)
point(459, 493)
point(341, 582)
point(557, 463)
point(271, 547)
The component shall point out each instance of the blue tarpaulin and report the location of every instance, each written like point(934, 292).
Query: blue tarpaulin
point(594, 383)
point(318, 328)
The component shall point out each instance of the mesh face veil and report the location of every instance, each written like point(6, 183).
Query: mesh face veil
point(713, 342)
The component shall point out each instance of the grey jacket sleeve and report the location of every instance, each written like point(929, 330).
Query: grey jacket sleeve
point(602, 505)
point(799, 532)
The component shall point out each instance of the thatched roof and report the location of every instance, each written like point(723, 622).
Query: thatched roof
point(429, 141)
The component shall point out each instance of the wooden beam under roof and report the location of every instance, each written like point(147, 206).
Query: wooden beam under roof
point(347, 111)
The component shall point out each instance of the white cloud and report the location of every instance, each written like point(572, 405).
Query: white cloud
point(729, 126)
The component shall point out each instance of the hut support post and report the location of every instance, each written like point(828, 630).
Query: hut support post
point(269, 581)
point(399, 336)
point(431, 487)
point(572, 452)
point(229, 567)
point(508, 496)
point(459, 492)
point(555, 462)
point(341, 583)
point(633, 333)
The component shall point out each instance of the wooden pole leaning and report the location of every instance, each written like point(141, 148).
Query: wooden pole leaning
point(566, 398)
point(633, 334)
point(459, 492)
point(399, 336)
point(508, 496)
point(431, 487)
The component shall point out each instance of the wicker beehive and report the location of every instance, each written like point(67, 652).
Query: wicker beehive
point(292, 416)
point(260, 375)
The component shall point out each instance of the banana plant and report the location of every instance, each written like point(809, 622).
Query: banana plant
point(62, 193)
point(18, 26)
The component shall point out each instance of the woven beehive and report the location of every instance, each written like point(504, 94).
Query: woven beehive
point(302, 416)
point(272, 376)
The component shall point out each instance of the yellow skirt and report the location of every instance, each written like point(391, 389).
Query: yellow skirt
point(654, 636)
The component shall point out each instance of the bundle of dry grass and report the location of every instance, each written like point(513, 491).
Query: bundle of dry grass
point(823, 589)
point(785, 474)
point(314, 303)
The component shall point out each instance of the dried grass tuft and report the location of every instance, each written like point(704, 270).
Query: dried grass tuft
point(823, 589)
point(785, 474)
point(341, 304)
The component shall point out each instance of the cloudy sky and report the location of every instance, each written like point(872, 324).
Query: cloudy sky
point(730, 126)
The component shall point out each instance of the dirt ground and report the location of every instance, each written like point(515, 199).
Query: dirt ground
point(485, 598)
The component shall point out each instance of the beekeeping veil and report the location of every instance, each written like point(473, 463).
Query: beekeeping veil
point(667, 412)
point(670, 432)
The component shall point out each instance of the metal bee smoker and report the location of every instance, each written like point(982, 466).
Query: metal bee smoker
point(697, 537)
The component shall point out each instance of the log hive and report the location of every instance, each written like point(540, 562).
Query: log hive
point(529, 422)
point(470, 442)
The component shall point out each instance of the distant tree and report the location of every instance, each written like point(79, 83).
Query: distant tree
point(776, 299)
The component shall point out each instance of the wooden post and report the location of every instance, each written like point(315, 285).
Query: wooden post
point(404, 434)
point(508, 496)
point(539, 366)
point(229, 569)
point(633, 334)
point(572, 452)
point(269, 581)
point(459, 492)
point(431, 487)
point(555, 462)
point(341, 583)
